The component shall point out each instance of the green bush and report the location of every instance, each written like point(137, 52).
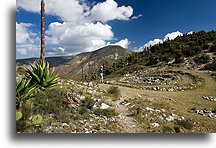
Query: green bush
point(184, 123)
point(213, 48)
point(51, 100)
point(88, 102)
point(105, 112)
point(177, 129)
point(167, 129)
point(114, 90)
point(210, 66)
point(26, 110)
point(203, 59)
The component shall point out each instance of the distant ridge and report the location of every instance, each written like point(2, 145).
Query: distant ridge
point(84, 63)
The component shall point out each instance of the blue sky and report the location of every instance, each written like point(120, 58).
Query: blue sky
point(74, 26)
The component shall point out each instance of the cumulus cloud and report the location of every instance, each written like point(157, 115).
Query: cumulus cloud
point(81, 38)
point(191, 32)
point(172, 35)
point(26, 40)
point(109, 10)
point(123, 43)
point(153, 42)
point(77, 10)
point(23, 34)
point(66, 10)
point(27, 50)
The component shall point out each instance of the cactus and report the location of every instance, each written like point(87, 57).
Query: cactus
point(18, 116)
point(37, 120)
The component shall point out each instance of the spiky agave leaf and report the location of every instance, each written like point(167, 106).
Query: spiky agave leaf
point(24, 89)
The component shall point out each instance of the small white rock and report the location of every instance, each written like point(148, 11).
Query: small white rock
point(104, 106)
point(154, 125)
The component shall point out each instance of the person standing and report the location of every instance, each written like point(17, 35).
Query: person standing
point(101, 74)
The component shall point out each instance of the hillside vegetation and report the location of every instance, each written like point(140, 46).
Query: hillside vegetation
point(187, 50)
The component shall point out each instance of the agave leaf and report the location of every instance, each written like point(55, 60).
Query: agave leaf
point(40, 71)
point(33, 68)
point(21, 85)
point(34, 75)
point(28, 82)
point(53, 70)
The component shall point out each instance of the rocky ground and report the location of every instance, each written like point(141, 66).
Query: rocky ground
point(150, 101)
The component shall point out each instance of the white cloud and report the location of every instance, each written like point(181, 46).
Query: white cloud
point(172, 35)
point(109, 10)
point(153, 42)
point(136, 17)
point(123, 43)
point(27, 50)
point(66, 10)
point(191, 32)
point(26, 41)
point(78, 10)
point(79, 38)
point(23, 34)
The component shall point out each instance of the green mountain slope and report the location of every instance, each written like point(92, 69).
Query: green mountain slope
point(189, 51)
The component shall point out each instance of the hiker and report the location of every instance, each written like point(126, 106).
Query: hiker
point(101, 74)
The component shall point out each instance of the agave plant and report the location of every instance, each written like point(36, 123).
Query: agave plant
point(23, 90)
point(41, 76)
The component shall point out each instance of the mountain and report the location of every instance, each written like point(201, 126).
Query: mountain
point(86, 64)
point(83, 64)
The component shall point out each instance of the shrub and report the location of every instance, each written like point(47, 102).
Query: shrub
point(167, 129)
point(213, 48)
point(51, 100)
point(177, 129)
point(114, 90)
point(26, 110)
point(105, 112)
point(184, 123)
point(210, 66)
point(88, 102)
point(203, 59)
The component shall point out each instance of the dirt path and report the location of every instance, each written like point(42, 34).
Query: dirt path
point(128, 122)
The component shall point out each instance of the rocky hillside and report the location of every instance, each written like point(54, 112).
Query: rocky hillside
point(86, 64)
